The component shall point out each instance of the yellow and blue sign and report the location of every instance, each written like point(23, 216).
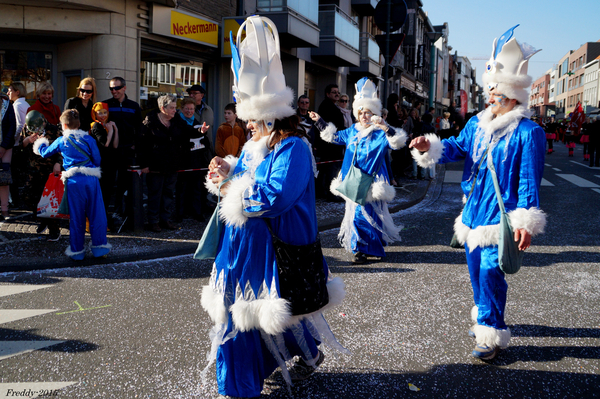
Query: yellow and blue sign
point(230, 24)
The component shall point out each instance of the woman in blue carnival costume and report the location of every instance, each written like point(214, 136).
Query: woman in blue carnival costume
point(367, 229)
point(81, 161)
point(516, 146)
point(254, 330)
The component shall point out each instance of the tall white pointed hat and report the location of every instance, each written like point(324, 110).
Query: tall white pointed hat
point(506, 71)
point(366, 98)
point(259, 88)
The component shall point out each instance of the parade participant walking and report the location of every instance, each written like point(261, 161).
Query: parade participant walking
point(367, 226)
point(81, 160)
point(271, 197)
point(504, 137)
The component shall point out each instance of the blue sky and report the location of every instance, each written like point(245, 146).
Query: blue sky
point(554, 26)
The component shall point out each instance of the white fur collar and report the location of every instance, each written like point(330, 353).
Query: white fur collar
point(75, 133)
point(364, 131)
point(255, 152)
point(500, 125)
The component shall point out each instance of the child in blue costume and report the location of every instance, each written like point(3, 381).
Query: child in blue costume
point(81, 161)
point(273, 182)
point(516, 145)
point(367, 229)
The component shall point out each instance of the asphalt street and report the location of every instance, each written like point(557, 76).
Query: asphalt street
point(137, 330)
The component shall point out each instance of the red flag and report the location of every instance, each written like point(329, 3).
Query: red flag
point(577, 118)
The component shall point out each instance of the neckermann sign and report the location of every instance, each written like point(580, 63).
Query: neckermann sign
point(185, 26)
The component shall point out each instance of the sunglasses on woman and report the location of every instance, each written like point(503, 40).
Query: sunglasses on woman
point(86, 91)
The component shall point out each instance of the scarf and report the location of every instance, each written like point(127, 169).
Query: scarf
point(50, 111)
point(190, 121)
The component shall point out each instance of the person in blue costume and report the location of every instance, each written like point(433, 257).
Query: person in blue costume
point(254, 330)
point(516, 146)
point(367, 229)
point(81, 161)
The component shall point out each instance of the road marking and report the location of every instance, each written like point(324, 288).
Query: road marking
point(6, 290)
point(546, 183)
point(578, 181)
point(8, 315)
point(81, 309)
point(33, 389)
point(547, 164)
point(556, 169)
point(582, 164)
point(596, 190)
point(14, 348)
point(453, 176)
point(597, 175)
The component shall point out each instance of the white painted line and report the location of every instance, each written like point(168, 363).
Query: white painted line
point(453, 176)
point(596, 190)
point(582, 164)
point(14, 348)
point(578, 181)
point(597, 175)
point(546, 183)
point(6, 290)
point(547, 164)
point(33, 389)
point(556, 169)
point(8, 315)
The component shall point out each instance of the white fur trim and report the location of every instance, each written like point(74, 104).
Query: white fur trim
point(78, 133)
point(231, 209)
point(372, 104)
point(491, 337)
point(84, 170)
point(329, 133)
point(109, 246)
point(474, 313)
point(491, 124)
point(433, 155)
point(38, 143)
point(398, 140)
point(270, 315)
point(213, 303)
point(70, 253)
point(381, 191)
point(481, 236)
point(267, 106)
point(533, 220)
point(212, 187)
point(461, 230)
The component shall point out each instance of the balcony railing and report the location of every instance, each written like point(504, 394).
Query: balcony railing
point(368, 47)
point(307, 8)
point(334, 22)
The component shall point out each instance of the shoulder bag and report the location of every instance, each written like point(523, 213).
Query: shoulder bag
point(301, 270)
point(510, 257)
point(356, 184)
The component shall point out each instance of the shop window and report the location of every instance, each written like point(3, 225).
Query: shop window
point(150, 75)
point(190, 75)
point(166, 74)
point(28, 67)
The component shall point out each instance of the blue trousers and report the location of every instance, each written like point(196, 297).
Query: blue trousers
point(489, 286)
point(85, 200)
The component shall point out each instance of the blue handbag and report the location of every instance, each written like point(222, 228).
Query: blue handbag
point(209, 243)
point(510, 258)
point(356, 184)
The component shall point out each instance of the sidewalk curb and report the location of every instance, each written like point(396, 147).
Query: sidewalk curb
point(188, 248)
